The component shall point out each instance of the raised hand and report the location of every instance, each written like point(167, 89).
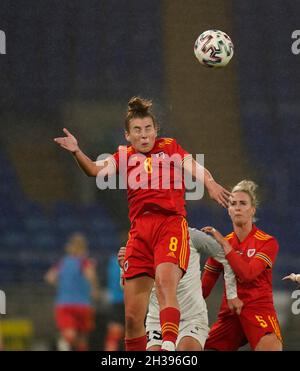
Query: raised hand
point(219, 238)
point(121, 256)
point(292, 277)
point(216, 234)
point(235, 305)
point(69, 142)
point(218, 193)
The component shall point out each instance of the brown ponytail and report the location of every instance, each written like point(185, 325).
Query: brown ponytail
point(139, 108)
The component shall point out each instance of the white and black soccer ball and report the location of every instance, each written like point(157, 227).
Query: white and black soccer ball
point(213, 48)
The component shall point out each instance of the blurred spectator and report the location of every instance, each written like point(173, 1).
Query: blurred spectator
point(115, 326)
point(77, 284)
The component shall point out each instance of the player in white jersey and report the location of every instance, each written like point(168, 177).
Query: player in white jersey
point(193, 327)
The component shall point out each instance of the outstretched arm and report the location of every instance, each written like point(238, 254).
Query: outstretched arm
point(292, 277)
point(210, 246)
point(91, 168)
point(200, 173)
point(212, 270)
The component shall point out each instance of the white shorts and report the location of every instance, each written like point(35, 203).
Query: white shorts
point(196, 328)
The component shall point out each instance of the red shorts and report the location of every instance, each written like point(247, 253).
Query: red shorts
point(77, 317)
point(231, 331)
point(154, 239)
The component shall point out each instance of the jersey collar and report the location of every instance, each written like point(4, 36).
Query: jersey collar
point(252, 232)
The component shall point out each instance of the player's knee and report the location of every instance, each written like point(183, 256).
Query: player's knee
point(165, 288)
point(166, 282)
point(133, 320)
point(187, 343)
point(269, 342)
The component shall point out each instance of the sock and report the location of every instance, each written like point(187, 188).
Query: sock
point(67, 341)
point(169, 321)
point(136, 344)
point(167, 346)
point(63, 345)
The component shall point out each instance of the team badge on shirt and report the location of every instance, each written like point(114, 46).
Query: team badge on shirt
point(251, 252)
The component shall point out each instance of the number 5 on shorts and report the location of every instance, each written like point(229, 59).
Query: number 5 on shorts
point(262, 322)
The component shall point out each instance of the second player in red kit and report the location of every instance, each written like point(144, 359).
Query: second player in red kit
point(251, 254)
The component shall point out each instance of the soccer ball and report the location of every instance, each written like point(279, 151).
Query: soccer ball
point(213, 48)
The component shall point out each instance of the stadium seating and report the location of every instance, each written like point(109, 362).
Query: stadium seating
point(270, 112)
point(32, 239)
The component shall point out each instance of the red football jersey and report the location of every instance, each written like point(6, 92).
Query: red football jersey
point(154, 183)
point(251, 288)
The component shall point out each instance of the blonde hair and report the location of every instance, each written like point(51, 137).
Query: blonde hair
point(249, 187)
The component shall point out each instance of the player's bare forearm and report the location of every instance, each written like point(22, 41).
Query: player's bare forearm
point(219, 238)
point(293, 277)
point(215, 190)
point(226, 246)
point(208, 178)
point(199, 172)
point(85, 163)
point(70, 143)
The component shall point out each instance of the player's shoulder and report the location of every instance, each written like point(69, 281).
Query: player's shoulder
point(260, 235)
point(193, 229)
point(229, 236)
point(164, 142)
point(195, 233)
point(264, 239)
point(126, 148)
